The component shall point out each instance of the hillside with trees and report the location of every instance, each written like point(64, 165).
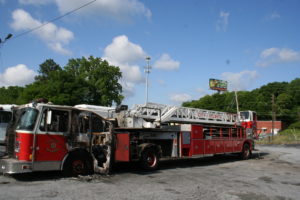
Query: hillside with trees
point(82, 81)
point(286, 101)
point(93, 81)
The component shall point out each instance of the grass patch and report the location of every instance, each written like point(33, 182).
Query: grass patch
point(288, 136)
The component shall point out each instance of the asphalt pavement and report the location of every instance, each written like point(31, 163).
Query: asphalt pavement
point(272, 173)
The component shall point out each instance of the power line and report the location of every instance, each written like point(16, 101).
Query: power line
point(54, 19)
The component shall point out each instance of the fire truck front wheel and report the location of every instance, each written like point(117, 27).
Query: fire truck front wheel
point(246, 153)
point(149, 159)
point(77, 165)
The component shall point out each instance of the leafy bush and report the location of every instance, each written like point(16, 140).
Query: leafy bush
point(295, 125)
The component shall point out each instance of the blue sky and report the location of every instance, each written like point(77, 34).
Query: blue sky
point(247, 43)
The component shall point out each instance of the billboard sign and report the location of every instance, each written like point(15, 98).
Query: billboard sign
point(216, 84)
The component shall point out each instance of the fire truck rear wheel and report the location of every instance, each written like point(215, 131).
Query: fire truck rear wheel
point(77, 165)
point(149, 159)
point(246, 153)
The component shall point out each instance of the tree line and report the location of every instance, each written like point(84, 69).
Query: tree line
point(93, 81)
point(82, 81)
point(286, 103)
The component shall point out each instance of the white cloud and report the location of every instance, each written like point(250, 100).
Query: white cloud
point(124, 51)
point(34, 2)
point(18, 75)
point(116, 9)
point(223, 21)
point(125, 54)
point(161, 82)
point(166, 63)
point(55, 37)
point(201, 92)
point(277, 55)
point(268, 52)
point(272, 16)
point(57, 47)
point(180, 97)
point(128, 88)
point(120, 10)
point(23, 20)
point(241, 80)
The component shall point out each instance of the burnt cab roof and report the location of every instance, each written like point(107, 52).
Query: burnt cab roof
point(7, 107)
point(40, 106)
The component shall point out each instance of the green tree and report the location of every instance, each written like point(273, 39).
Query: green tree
point(287, 101)
point(100, 78)
point(10, 95)
point(284, 101)
point(46, 68)
point(83, 80)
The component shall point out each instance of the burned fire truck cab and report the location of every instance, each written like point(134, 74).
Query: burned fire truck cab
point(49, 137)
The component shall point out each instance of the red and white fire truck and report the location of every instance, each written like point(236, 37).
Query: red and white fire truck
point(86, 139)
point(248, 120)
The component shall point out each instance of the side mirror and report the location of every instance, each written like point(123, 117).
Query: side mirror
point(49, 117)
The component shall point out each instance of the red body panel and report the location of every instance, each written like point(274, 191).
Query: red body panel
point(238, 145)
point(50, 147)
point(200, 146)
point(25, 141)
point(122, 147)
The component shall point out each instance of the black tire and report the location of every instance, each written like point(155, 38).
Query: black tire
point(76, 165)
point(246, 153)
point(149, 159)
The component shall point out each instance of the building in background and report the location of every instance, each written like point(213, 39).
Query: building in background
point(265, 127)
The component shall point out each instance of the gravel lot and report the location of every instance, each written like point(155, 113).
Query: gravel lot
point(272, 173)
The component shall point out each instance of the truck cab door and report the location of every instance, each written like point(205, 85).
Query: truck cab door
point(50, 138)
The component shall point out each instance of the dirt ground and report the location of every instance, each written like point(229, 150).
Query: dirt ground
point(272, 173)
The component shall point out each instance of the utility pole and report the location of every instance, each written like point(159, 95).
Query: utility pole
point(237, 102)
point(147, 71)
point(273, 115)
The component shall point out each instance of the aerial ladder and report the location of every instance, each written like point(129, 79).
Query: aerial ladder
point(152, 115)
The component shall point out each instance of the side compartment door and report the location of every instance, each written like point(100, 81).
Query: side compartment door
point(197, 140)
point(219, 146)
point(209, 146)
point(122, 147)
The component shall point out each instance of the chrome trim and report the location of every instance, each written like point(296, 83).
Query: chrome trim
point(46, 166)
point(64, 160)
point(40, 132)
point(13, 166)
point(51, 133)
point(23, 131)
